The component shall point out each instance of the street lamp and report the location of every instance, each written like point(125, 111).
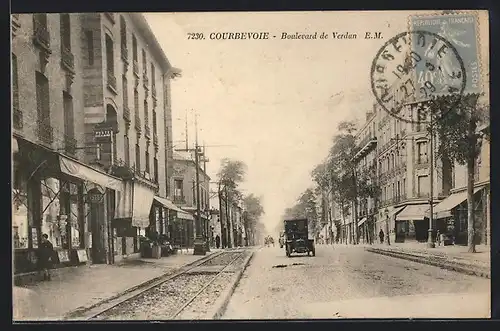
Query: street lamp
point(388, 240)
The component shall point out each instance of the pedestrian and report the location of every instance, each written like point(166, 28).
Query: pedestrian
point(438, 238)
point(381, 236)
point(46, 256)
point(217, 241)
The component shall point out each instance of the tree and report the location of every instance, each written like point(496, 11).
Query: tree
point(230, 175)
point(454, 118)
point(252, 215)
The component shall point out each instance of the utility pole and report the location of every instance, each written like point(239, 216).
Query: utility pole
point(199, 245)
point(430, 242)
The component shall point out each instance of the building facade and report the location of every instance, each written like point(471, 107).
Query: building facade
point(54, 191)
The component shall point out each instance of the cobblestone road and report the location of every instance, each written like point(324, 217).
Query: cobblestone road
point(348, 282)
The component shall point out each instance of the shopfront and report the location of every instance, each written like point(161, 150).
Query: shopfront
point(49, 197)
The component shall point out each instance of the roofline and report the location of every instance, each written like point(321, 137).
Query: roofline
point(143, 26)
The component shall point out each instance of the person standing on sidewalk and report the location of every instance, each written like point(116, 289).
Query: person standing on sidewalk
point(217, 241)
point(46, 256)
point(381, 236)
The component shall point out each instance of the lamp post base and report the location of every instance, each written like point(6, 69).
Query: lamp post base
point(430, 242)
point(199, 247)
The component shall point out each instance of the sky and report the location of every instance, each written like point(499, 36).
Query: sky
point(273, 104)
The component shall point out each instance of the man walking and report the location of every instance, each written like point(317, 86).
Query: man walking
point(381, 236)
point(46, 255)
point(217, 241)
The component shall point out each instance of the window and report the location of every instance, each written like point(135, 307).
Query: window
point(89, 36)
point(110, 66)
point(42, 97)
point(137, 157)
point(146, 114)
point(54, 227)
point(123, 34)
point(144, 63)
point(155, 169)
point(65, 32)
point(194, 194)
point(41, 20)
point(136, 102)
point(69, 125)
point(423, 186)
point(134, 48)
point(127, 148)
point(422, 152)
point(148, 170)
point(125, 91)
point(153, 75)
point(154, 122)
point(178, 188)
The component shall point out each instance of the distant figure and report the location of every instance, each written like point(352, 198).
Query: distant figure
point(46, 255)
point(217, 241)
point(381, 236)
point(438, 238)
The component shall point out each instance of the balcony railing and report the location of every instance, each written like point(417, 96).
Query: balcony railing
point(17, 118)
point(179, 200)
point(45, 132)
point(67, 59)
point(41, 35)
point(155, 138)
point(124, 53)
point(126, 113)
point(136, 68)
point(70, 145)
point(153, 93)
point(137, 122)
point(145, 79)
point(147, 132)
point(111, 81)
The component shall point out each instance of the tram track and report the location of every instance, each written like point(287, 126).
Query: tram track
point(181, 295)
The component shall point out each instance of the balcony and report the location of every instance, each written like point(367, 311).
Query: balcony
point(67, 60)
point(366, 145)
point(137, 123)
point(147, 132)
point(111, 82)
point(41, 36)
point(70, 145)
point(126, 114)
point(17, 118)
point(136, 68)
point(155, 138)
point(111, 17)
point(153, 93)
point(45, 132)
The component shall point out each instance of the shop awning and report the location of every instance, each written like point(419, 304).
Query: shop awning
point(363, 220)
point(185, 216)
point(142, 201)
point(168, 204)
point(443, 209)
point(413, 212)
point(79, 170)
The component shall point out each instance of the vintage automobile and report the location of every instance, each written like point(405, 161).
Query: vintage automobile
point(297, 237)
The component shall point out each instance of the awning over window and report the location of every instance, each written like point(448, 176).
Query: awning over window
point(76, 169)
point(141, 206)
point(168, 204)
point(443, 209)
point(413, 212)
point(363, 220)
point(392, 211)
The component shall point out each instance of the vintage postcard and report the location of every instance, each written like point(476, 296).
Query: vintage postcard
point(250, 165)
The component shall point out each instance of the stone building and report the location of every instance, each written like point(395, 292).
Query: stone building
point(53, 190)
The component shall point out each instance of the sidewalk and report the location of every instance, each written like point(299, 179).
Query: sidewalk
point(80, 287)
point(450, 257)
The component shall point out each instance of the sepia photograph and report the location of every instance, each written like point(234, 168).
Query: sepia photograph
point(250, 165)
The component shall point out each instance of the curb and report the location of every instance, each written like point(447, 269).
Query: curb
point(457, 267)
point(79, 312)
point(223, 300)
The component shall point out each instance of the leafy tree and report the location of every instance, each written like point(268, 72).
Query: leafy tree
point(252, 215)
point(231, 174)
point(455, 122)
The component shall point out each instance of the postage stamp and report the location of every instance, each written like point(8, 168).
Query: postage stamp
point(438, 56)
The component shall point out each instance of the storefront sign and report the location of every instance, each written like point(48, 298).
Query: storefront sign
point(63, 256)
point(82, 255)
point(103, 135)
point(95, 197)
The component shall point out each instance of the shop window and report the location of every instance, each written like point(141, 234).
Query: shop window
point(52, 223)
point(74, 216)
point(422, 152)
point(20, 220)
